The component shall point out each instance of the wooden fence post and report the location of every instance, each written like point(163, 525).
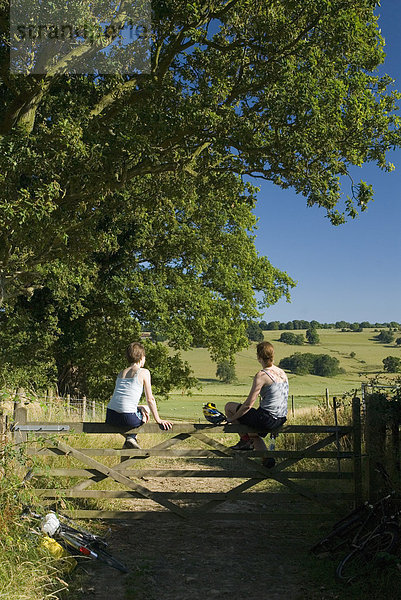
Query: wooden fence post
point(337, 436)
point(395, 444)
point(357, 450)
point(93, 410)
point(50, 401)
point(2, 429)
point(375, 438)
point(84, 408)
point(20, 418)
point(68, 405)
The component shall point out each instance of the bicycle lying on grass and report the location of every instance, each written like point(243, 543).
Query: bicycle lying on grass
point(369, 535)
point(77, 541)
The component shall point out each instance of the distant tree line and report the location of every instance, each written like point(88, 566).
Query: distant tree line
point(316, 364)
point(343, 325)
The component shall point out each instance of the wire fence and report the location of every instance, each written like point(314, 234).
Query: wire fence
point(57, 408)
point(54, 408)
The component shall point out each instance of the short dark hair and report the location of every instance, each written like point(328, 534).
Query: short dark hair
point(265, 351)
point(135, 352)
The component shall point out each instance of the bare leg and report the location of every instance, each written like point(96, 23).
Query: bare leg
point(230, 409)
point(258, 442)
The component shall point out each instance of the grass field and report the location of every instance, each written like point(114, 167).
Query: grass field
point(26, 572)
point(306, 389)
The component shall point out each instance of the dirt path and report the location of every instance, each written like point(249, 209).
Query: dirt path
point(176, 559)
point(221, 560)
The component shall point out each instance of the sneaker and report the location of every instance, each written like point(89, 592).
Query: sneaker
point(131, 442)
point(246, 445)
point(269, 462)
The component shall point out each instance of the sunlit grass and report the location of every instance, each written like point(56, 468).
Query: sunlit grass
point(307, 389)
point(27, 570)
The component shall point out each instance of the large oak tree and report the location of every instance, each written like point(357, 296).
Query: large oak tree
point(124, 199)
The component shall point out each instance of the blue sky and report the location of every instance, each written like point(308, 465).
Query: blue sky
point(350, 272)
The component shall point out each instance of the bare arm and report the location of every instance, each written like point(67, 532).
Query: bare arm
point(258, 382)
point(150, 399)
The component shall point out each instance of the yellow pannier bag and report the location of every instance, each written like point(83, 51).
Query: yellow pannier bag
point(56, 550)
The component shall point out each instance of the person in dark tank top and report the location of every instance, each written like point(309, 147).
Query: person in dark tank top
point(271, 384)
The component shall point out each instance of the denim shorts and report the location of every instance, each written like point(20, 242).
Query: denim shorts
point(124, 420)
point(258, 418)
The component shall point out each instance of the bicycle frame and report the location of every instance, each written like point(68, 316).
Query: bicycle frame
point(382, 515)
point(80, 542)
point(358, 525)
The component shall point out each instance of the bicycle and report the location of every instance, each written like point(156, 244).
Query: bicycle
point(369, 533)
point(376, 537)
point(76, 540)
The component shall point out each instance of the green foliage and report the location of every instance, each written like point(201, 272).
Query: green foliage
point(326, 365)
point(122, 197)
point(82, 355)
point(26, 571)
point(312, 336)
point(398, 341)
point(323, 365)
point(299, 340)
point(76, 335)
point(254, 332)
point(385, 337)
point(298, 363)
point(226, 371)
point(392, 364)
point(292, 338)
point(343, 325)
point(386, 404)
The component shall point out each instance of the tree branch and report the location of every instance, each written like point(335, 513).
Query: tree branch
point(22, 111)
point(160, 67)
point(220, 13)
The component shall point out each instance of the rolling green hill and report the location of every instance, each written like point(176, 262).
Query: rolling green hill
point(306, 389)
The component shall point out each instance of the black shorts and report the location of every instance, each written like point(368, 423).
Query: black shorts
point(261, 420)
point(123, 420)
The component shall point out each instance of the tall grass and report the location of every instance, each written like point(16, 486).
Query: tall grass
point(27, 570)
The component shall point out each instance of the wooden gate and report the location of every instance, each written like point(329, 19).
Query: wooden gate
point(245, 486)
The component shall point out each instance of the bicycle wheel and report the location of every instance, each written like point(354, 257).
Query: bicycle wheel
point(340, 535)
point(385, 540)
point(360, 561)
point(109, 560)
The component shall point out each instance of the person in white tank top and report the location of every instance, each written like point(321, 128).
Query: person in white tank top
point(124, 409)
